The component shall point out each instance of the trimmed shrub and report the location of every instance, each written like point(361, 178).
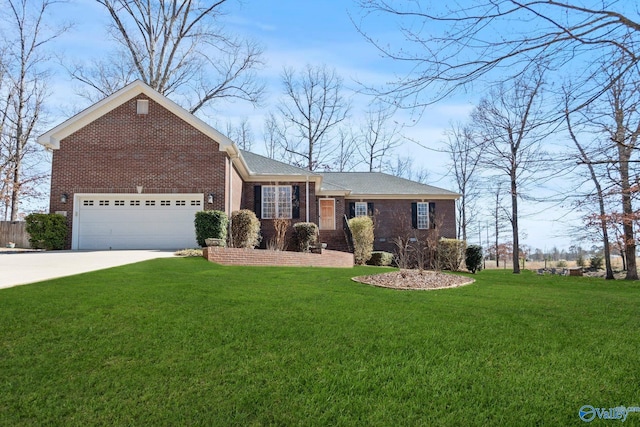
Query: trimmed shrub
point(245, 229)
point(473, 258)
point(451, 253)
point(211, 225)
point(380, 258)
point(46, 231)
point(304, 234)
point(362, 232)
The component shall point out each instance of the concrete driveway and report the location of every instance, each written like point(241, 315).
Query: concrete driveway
point(19, 268)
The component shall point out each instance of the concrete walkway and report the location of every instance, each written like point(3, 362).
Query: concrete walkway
point(19, 268)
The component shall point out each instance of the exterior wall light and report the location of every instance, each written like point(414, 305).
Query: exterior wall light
point(64, 197)
point(210, 198)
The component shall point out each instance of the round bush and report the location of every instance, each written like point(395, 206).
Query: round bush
point(304, 235)
point(46, 231)
point(362, 232)
point(211, 225)
point(245, 229)
point(473, 258)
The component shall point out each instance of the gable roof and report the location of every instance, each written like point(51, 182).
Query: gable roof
point(52, 138)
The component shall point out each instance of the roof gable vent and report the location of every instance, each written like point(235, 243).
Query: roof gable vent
point(142, 106)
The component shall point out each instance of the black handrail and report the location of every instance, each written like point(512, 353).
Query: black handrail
point(347, 234)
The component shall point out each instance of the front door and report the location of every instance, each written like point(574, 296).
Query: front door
point(327, 214)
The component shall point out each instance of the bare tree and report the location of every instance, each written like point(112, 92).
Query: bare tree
point(312, 108)
point(242, 134)
point(345, 159)
point(464, 152)
point(511, 123)
point(24, 91)
point(617, 118)
point(271, 136)
point(595, 177)
point(403, 167)
point(379, 135)
point(450, 45)
point(180, 49)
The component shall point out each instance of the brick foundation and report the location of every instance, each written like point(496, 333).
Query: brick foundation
point(260, 257)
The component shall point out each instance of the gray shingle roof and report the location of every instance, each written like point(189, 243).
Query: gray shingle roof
point(355, 183)
point(261, 165)
point(378, 183)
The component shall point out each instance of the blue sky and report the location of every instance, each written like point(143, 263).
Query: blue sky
point(295, 33)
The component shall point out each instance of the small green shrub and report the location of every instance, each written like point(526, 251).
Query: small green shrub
point(562, 263)
point(473, 258)
point(362, 232)
point(380, 258)
point(245, 229)
point(46, 231)
point(304, 234)
point(596, 262)
point(211, 225)
point(451, 253)
point(580, 262)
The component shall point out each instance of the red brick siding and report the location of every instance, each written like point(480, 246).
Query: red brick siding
point(392, 219)
point(266, 225)
point(122, 150)
point(260, 257)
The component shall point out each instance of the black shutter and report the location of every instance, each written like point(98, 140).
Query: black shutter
point(352, 209)
point(370, 210)
point(257, 200)
point(295, 201)
point(414, 215)
point(432, 215)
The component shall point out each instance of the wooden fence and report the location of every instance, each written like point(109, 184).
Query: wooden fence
point(14, 232)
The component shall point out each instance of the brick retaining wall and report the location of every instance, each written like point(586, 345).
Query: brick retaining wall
point(261, 257)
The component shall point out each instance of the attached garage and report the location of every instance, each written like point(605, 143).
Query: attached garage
point(135, 221)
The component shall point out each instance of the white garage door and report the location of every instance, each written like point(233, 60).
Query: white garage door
point(136, 221)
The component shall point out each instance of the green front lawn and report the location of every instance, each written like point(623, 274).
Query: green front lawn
point(187, 342)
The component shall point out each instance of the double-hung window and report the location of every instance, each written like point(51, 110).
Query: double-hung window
point(361, 209)
point(276, 201)
point(423, 215)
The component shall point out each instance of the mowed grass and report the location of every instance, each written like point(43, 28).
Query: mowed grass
point(188, 342)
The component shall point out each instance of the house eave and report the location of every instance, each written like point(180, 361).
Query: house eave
point(370, 196)
point(284, 178)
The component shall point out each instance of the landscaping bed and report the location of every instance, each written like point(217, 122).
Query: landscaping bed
point(415, 280)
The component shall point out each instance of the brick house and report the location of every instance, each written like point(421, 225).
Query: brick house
point(130, 172)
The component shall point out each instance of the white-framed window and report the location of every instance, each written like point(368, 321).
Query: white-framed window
point(276, 201)
point(423, 215)
point(361, 209)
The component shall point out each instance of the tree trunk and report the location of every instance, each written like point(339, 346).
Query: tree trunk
point(514, 225)
point(627, 210)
